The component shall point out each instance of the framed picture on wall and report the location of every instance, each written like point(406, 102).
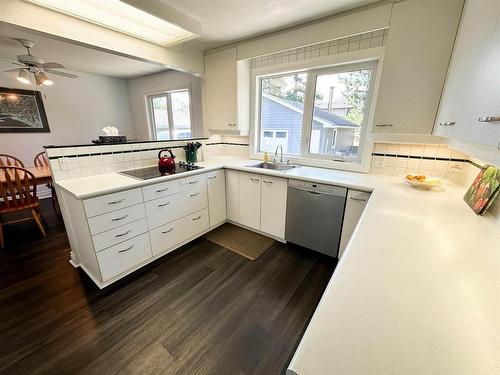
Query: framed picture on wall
point(22, 111)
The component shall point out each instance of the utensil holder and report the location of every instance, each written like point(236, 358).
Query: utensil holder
point(191, 156)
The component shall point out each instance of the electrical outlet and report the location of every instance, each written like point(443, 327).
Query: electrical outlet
point(378, 161)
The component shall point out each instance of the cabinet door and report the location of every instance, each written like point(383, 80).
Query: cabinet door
point(273, 206)
point(463, 93)
point(354, 206)
point(216, 197)
point(220, 90)
point(249, 186)
point(418, 50)
point(233, 195)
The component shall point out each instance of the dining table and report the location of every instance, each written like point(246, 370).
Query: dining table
point(42, 175)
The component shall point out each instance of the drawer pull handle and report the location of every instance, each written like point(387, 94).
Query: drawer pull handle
point(384, 125)
point(359, 199)
point(267, 182)
point(161, 190)
point(119, 218)
point(127, 249)
point(116, 202)
point(212, 178)
point(232, 125)
point(449, 123)
point(194, 195)
point(193, 182)
point(123, 234)
point(254, 179)
point(196, 218)
point(163, 204)
point(167, 231)
point(489, 119)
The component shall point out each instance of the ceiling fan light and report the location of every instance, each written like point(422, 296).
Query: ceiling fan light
point(23, 77)
point(44, 79)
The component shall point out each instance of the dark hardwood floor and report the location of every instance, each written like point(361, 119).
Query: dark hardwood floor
point(199, 310)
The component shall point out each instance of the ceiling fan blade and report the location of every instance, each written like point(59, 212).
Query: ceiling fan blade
point(11, 70)
point(62, 74)
point(52, 65)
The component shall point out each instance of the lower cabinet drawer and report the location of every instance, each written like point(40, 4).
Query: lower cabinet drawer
point(102, 223)
point(120, 234)
point(171, 234)
point(122, 257)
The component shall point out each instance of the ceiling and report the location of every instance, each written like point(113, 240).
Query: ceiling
point(74, 57)
point(225, 21)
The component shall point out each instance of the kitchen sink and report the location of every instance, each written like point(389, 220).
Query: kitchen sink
point(274, 166)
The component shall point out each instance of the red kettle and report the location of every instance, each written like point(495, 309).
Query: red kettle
point(166, 164)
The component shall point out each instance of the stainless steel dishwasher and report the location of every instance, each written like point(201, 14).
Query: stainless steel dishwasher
point(314, 215)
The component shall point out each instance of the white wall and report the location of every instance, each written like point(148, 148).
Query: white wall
point(140, 87)
point(77, 110)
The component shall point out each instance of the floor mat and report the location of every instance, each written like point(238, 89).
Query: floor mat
point(246, 243)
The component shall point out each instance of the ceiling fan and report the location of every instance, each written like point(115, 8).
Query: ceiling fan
point(32, 66)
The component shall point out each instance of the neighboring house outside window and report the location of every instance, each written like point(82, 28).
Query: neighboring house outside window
point(170, 115)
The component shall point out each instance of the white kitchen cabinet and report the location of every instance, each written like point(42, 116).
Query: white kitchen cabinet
point(216, 182)
point(232, 195)
point(418, 50)
point(273, 206)
point(249, 197)
point(471, 89)
point(354, 207)
point(220, 90)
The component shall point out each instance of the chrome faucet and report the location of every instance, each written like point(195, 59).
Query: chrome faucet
point(276, 153)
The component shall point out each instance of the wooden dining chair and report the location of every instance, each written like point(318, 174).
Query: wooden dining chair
point(41, 161)
point(9, 160)
point(18, 193)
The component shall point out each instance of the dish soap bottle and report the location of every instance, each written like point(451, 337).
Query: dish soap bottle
point(266, 157)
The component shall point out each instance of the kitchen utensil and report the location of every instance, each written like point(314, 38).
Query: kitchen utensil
point(166, 164)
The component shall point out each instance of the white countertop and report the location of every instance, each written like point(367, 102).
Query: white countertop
point(416, 292)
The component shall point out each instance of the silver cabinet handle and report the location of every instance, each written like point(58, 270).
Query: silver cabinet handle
point(359, 199)
point(167, 231)
point(267, 182)
point(116, 202)
point(232, 125)
point(384, 125)
point(127, 249)
point(489, 119)
point(119, 218)
point(196, 218)
point(161, 190)
point(212, 177)
point(194, 195)
point(254, 179)
point(449, 123)
point(123, 234)
point(193, 182)
point(163, 204)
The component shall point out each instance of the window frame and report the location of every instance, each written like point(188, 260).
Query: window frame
point(150, 112)
point(372, 57)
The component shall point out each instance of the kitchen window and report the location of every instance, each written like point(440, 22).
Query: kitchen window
point(324, 112)
point(170, 115)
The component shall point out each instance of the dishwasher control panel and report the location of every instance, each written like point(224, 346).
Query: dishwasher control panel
point(318, 188)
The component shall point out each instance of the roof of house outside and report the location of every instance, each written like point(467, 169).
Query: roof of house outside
point(321, 115)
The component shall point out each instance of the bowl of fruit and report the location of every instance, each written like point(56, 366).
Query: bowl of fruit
point(421, 181)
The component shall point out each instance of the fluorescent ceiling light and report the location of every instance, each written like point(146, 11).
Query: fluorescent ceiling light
point(121, 17)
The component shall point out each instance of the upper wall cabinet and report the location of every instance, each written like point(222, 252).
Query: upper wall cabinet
point(227, 93)
point(470, 105)
point(418, 50)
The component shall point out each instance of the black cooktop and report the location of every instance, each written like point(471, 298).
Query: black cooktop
point(153, 172)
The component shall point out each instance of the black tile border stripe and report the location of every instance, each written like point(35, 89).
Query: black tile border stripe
point(131, 151)
point(420, 157)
